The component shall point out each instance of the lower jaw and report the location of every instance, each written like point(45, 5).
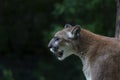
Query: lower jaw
point(60, 58)
point(59, 54)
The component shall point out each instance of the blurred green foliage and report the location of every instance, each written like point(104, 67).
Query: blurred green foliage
point(8, 74)
point(26, 26)
point(95, 15)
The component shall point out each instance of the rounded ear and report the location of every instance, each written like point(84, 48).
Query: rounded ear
point(76, 31)
point(67, 26)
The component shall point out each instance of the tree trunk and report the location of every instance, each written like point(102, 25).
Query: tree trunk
point(117, 32)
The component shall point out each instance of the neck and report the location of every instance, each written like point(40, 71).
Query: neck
point(86, 41)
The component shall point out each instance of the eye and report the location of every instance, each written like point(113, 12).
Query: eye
point(56, 38)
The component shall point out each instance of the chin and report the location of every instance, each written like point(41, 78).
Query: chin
point(61, 58)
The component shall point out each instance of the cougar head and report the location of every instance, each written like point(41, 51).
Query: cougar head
point(62, 44)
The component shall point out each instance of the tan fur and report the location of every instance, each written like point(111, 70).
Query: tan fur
point(100, 55)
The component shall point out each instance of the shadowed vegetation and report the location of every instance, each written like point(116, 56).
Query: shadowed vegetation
point(26, 26)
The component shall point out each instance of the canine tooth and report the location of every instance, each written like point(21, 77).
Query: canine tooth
point(51, 49)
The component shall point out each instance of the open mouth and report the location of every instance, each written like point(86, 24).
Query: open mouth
point(59, 53)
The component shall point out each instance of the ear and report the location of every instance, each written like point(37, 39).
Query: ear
point(67, 26)
point(76, 31)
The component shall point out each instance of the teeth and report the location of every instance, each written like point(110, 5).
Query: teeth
point(57, 52)
point(51, 49)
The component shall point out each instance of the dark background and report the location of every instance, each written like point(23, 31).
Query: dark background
point(26, 27)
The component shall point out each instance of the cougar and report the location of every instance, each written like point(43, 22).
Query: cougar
point(99, 54)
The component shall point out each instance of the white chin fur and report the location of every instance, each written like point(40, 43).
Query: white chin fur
point(61, 58)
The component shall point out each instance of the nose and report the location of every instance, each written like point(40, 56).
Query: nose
point(50, 43)
point(49, 46)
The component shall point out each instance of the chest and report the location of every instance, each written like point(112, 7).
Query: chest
point(87, 71)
